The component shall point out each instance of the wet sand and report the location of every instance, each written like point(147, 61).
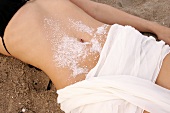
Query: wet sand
point(24, 89)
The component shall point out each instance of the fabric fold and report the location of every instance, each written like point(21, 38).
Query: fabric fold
point(123, 81)
point(139, 92)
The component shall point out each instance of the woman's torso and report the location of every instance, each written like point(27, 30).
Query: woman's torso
point(57, 37)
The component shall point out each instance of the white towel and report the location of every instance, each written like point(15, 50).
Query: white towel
point(123, 79)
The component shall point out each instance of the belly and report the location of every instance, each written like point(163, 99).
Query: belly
point(76, 40)
point(75, 48)
point(60, 39)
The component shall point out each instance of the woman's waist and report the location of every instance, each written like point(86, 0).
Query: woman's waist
point(73, 59)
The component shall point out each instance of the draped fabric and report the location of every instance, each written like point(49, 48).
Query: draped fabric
point(123, 81)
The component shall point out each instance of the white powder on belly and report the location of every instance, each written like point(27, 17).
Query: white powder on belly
point(69, 52)
point(52, 27)
point(102, 30)
point(79, 26)
point(96, 46)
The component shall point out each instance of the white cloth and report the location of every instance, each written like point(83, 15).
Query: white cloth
point(123, 79)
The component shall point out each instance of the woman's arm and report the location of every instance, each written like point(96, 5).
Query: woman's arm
point(111, 15)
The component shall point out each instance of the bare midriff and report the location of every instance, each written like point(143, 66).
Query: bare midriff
point(57, 37)
point(61, 39)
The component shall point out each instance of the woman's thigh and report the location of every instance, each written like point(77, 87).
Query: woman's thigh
point(164, 75)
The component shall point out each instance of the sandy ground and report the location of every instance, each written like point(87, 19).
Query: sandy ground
point(25, 90)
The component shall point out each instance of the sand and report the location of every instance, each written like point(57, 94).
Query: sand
point(24, 89)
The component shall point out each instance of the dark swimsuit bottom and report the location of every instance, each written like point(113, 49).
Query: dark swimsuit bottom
point(7, 10)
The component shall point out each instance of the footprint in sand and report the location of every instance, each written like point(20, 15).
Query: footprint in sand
point(127, 3)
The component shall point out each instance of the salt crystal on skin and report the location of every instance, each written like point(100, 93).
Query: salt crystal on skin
point(96, 46)
point(63, 54)
point(79, 26)
point(68, 51)
point(52, 29)
point(101, 30)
